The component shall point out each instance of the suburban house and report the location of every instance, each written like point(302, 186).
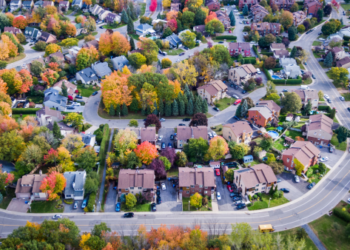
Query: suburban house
point(112, 18)
point(239, 48)
point(78, 3)
point(48, 3)
point(12, 30)
point(196, 180)
point(287, 61)
point(306, 153)
point(38, 4)
point(75, 182)
point(256, 179)
point(47, 37)
point(137, 181)
point(258, 12)
point(184, 134)
point(63, 5)
point(145, 29)
point(200, 29)
point(239, 132)
point(212, 4)
point(54, 100)
point(307, 95)
point(174, 41)
point(266, 28)
point(264, 112)
point(119, 62)
point(64, 128)
point(175, 6)
point(96, 9)
point(277, 46)
point(291, 70)
point(101, 69)
point(282, 4)
point(223, 18)
point(312, 6)
point(15, 4)
point(87, 76)
point(103, 14)
point(71, 57)
point(319, 129)
point(93, 43)
point(32, 33)
point(343, 63)
point(2, 4)
point(28, 5)
point(71, 88)
point(241, 74)
point(298, 17)
point(88, 139)
point(58, 56)
point(145, 134)
point(249, 3)
point(46, 115)
point(338, 52)
point(28, 187)
point(212, 91)
point(278, 54)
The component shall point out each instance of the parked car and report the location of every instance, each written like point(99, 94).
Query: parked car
point(128, 215)
point(163, 186)
point(329, 100)
point(233, 194)
point(158, 192)
point(181, 54)
point(244, 91)
point(221, 41)
point(240, 206)
point(331, 149)
point(258, 70)
point(236, 198)
point(214, 134)
point(285, 90)
point(163, 145)
point(170, 145)
point(216, 108)
point(75, 205)
point(84, 203)
point(323, 159)
point(279, 180)
point(159, 200)
point(184, 47)
point(160, 138)
point(162, 120)
point(348, 108)
point(229, 188)
point(342, 98)
point(117, 207)
point(238, 101)
point(236, 118)
point(95, 93)
point(181, 124)
point(153, 207)
point(305, 63)
point(171, 137)
point(296, 179)
point(285, 190)
point(57, 216)
point(311, 185)
point(217, 172)
point(235, 96)
point(186, 119)
point(326, 96)
point(70, 107)
point(218, 196)
point(78, 97)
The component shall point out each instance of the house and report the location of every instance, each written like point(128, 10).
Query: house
point(58, 56)
point(212, 91)
point(35, 60)
point(28, 187)
point(312, 6)
point(282, 4)
point(32, 33)
point(241, 74)
point(319, 129)
point(298, 17)
point(15, 4)
point(119, 62)
point(239, 48)
point(306, 153)
point(75, 182)
point(88, 139)
point(28, 5)
point(145, 29)
point(200, 29)
point(12, 30)
point(78, 3)
point(65, 129)
point(38, 4)
point(46, 115)
point(175, 6)
point(71, 88)
point(266, 28)
point(137, 181)
point(101, 69)
point(95, 10)
point(63, 5)
point(287, 61)
point(239, 132)
point(307, 95)
point(145, 134)
point(263, 113)
point(278, 54)
point(249, 3)
point(87, 76)
point(72, 54)
point(343, 63)
point(212, 5)
point(80, 29)
point(112, 18)
point(93, 43)
point(54, 100)
point(103, 14)
point(184, 134)
point(174, 41)
point(291, 71)
point(338, 52)
point(48, 3)
point(2, 4)
point(256, 179)
point(47, 37)
point(223, 18)
point(277, 46)
point(214, 164)
point(196, 180)
point(258, 12)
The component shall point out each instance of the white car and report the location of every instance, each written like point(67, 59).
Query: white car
point(160, 138)
point(321, 39)
point(240, 22)
point(296, 179)
point(163, 186)
point(218, 196)
point(349, 200)
point(162, 120)
point(213, 133)
point(258, 70)
point(323, 159)
point(57, 216)
point(326, 96)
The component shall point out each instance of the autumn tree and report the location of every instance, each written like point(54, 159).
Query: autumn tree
point(4, 51)
point(212, 16)
point(188, 38)
point(171, 15)
point(20, 22)
point(199, 119)
point(149, 49)
point(148, 96)
point(53, 184)
point(130, 200)
point(13, 80)
point(196, 200)
point(50, 77)
point(218, 148)
point(90, 25)
point(86, 57)
point(159, 169)
point(153, 120)
point(186, 73)
point(5, 108)
point(120, 45)
point(11, 50)
point(146, 152)
point(52, 48)
point(137, 60)
point(214, 26)
point(86, 158)
point(166, 63)
point(286, 19)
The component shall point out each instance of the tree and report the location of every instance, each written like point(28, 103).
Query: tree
point(220, 54)
point(166, 63)
point(320, 15)
point(153, 120)
point(342, 134)
point(146, 152)
point(294, 7)
point(53, 184)
point(20, 22)
point(277, 167)
point(86, 158)
point(339, 75)
point(130, 26)
point(232, 19)
point(274, 97)
point(125, 140)
point(200, 17)
point(293, 52)
point(130, 200)
point(166, 162)
point(40, 46)
point(196, 149)
point(291, 102)
point(21, 38)
point(327, 10)
point(286, 19)
point(181, 159)
point(299, 167)
point(86, 57)
point(159, 169)
point(196, 200)
point(186, 73)
point(5, 108)
point(229, 175)
point(56, 131)
point(237, 152)
point(153, 5)
point(4, 21)
point(149, 50)
point(214, 26)
point(218, 148)
point(72, 142)
point(12, 145)
point(270, 63)
point(188, 18)
point(74, 118)
point(137, 60)
point(212, 15)
point(99, 229)
point(175, 111)
point(124, 17)
point(330, 27)
point(307, 108)
point(266, 143)
point(301, 28)
point(199, 119)
point(4, 51)
point(166, 3)
point(68, 43)
point(245, 10)
point(188, 38)
point(292, 33)
point(36, 68)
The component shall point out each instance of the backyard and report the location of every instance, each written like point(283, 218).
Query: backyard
point(293, 134)
point(224, 103)
point(279, 144)
point(45, 207)
point(87, 90)
point(185, 202)
point(265, 203)
point(217, 129)
point(173, 172)
point(335, 142)
point(291, 232)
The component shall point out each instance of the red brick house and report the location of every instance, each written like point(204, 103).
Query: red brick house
point(212, 5)
point(304, 151)
point(312, 6)
point(239, 48)
point(282, 4)
point(266, 28)
point(263, 113)
point(249, 3)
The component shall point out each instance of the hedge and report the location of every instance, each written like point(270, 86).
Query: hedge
point(226, 37)
point(248, 60)
point(104, 145)
point(267, 53)
point(324, 108)
point(256, 51)
point(91, 202)
point(24, 111)
point(346, 38)
point(289, 81)
point(341, 214)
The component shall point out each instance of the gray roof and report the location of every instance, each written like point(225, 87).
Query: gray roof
point(144, 27)
point(173, 40)
point(27, 3)
point(77, 2)
point(88, 74)
point(54, 96)
point(30, 31)
point(74, 183)
point(39, 3)
point(101, 69)
point(15, 1)
point(119, 62)
point(87, 138)
point(286, 61)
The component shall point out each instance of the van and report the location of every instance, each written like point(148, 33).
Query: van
point(304, 87)
point(237, 102)
point(267, 228)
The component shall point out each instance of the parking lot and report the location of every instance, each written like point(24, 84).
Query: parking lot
point(296, 189)
point(166, 132)
point(68, 208)
point(169, 199)
point(332, 157)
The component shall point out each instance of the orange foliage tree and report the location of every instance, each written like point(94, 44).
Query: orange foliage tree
point(7, 124)
point(54, 66)
point(4, 51)
point(12, 48)
point(3, 86)
point(27, 81)
point(50, 76)
point(105, 44)
point(212, 15)
point(146, 152)
point(71, 30)
point(10, 16)
point(13, 80)
point(53, 184)
point(171, 15)
point(20, 22)
point(5, 108)
point(120, 45)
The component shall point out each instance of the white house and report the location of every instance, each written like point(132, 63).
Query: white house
point(54, 100)
point(145, 29)
point(15, 4)
point(75, 182)
point(291, 70)
point(78, 3)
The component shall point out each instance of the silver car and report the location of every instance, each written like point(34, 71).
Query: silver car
point(296, 179)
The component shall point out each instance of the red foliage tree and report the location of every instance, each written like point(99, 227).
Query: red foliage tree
point(53, 184)
point(212, 15)
point(146, 152)
point(153, 5)
point(26, 79)
point(170, 154)
point(172, 24)
point(153, 119)
point(159, 169)
point(199, 119)
point(51, 156)
point(9, 179)
point(20, 22)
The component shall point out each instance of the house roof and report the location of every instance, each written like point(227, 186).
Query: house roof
point(257, 174)
point(266, 26)
point(286, 61)
point(196, 176)
point(303, 151)
point(186, 133)
point(144, 27)
point(210, 89)
point(200, 28)
point(49, 112)
point(173, 39)
point(53, 95)
point(343, 61)
point(270, 104)
point(58, 55)
point(218, 85)
point(306, 94)
point(320, 122)
point(74, 183)
point(337, 49)
point(47, 37)
point(240, 127)
point(93, 43)
point(136, 178)
point(101, 69)
point(88, 74)
point(29, 183)
point(30, 31)
point(64, 3)
point(281, 53)
point(119, 62)
point(263, 110)
point(12, 30)
point(277, 46)
point(242, 46)
point(86, 138)
point(148, 134)
point(70, 86)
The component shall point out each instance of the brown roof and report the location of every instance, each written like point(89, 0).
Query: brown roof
point(210, 89)
point(29, 183)
point(12, 30)
point(148, 134)
point(47, 3)
point(196, 176)
point(136, 178)
point(343, 62)
point(47, 111)
point(186, 133)
point(270, 104)
point(277, 46)
point(70, 86)
point(306, 94)
point(249, 68)
point(281, 53)
point(93, 43)
point(183, 133)
point(320, 122)
point(257, 174)
point(218, 84)
point(303, 151)
point(240, 127)
point(266, 26)
point(58, 55)
point(337, 49)
point(243, 46)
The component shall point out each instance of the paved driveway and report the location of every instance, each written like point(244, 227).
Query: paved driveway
point(69, 208)
point(111, 199)
point(333, 157)
point(166, 132)
point(296, 189)
point(169, 199)
point(225, 204)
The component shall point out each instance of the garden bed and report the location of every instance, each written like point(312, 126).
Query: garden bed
point(203, 208)
point(45, 207)
point(265, 203)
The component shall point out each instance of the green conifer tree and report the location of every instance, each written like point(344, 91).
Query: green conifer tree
point(204, 106)
point(167, 109)
point(111, 110)
point(181, 107)
point(175, 108)
point(189, 110)
point(125, 110)
point(161, 107)
point(56, 131)
point(117, 110)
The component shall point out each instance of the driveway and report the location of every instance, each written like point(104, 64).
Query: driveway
point(169, 199)
point(79, 109)
point(225, 204)
point(111, 199)
point(18, 205)
point(166, 132)
point(332, 157)
point(69, 208)
point(296, 189)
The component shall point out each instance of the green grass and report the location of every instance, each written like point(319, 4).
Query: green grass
point(68, 12)
point(173, 172)
point(218, 129)
point(203, 208)
point(292, 134)
point(44, 207)
point(315, 176)
point(346, 96)
point(173, 52)
point(134, 36)
point(143, 9)
point(316, 55)
point(254, 162)
point(309, 244)
point(279, 144)
point(36, 99)
point(7, 199)
point(301, 66)
point(78, 13)
point(138, 208)
point(345, 6)
point(335, 119)
point(16, 117)
point(113, 26)
point(15, 59)
point(224, 103)
point(87, 92)
point(265, 203)
point(94, 33)
point(307, 81)
point(316, 43)
point(335, 142)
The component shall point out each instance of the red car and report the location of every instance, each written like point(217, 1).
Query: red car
point(229, 188)
point(237, 102)
point(217, 172)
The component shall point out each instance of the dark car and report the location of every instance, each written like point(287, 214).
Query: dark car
point(78, 97)
point(128, 215)
point(185, 47)
point(235, 194)
point(159, 200)
point(216, 108)
point(236, 198)
point(313, 76)
point(170, 145)
point(101, 27)
point(95, 93)
point(305, 63)
point(237, 118)
point(348, 108)
point(163, 145)
point(240, 206)
point(75, 205)
point(171, 137)
point(186, 119)
point(329, 100)
point(84, 203)
point(70, 107)
point(181, 124)
point(153, 207)
point(311, 185)
point(117, 207)
point(244, 91)
point(285, 190)
point(285, 90)
point(221, 41)
point(181, 54)
point(158, 192)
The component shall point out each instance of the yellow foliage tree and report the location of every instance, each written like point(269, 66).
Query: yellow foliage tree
point(33, 225)
point(52, 48)
point(148, 96)
point(4, 51)
point(177, 88)
point(3, 86)
point(13, 50)
point(10, 16)
point(84, 239)
point(205, 10)
point(171, 15)
point(126, 71)
point(146, 69)
point(186, 73)
point(5, 108)
point(166, 3)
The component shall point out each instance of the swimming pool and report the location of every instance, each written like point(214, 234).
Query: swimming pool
point(273, 134)
point(276, 77)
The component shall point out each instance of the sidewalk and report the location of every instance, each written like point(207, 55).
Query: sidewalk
point(214, 206)
point(313, 237)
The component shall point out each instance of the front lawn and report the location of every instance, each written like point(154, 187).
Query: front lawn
point(335, 142)
point(345, 6)
point(265, 203)
point(224, 103)
point(113, 26)
point(314, 175)
point(45, 207)
point(173, 172)
point(293, 134)
point(316, 54)
point(316, 43)
point(307, 81)
point(7, 199)
point(138, 208)
point(15, 59)
point(346, 96)
point(135, 37)
point(173, 52)
point(36, 99)
point(218, 129)
point(87, 90)
point(203, 208)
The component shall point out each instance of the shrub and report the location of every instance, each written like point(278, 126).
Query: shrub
point(255, 196)
point(3, 64)
point(40, 46)
point(341, 214)
point(91, 202)
point(277, 194)
point(104, 144)
point(24, 111)
point(69, 202)
point(250, 197)
point(226, 37)
point(205, 200)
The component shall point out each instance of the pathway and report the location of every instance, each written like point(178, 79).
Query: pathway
point(313, 237)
